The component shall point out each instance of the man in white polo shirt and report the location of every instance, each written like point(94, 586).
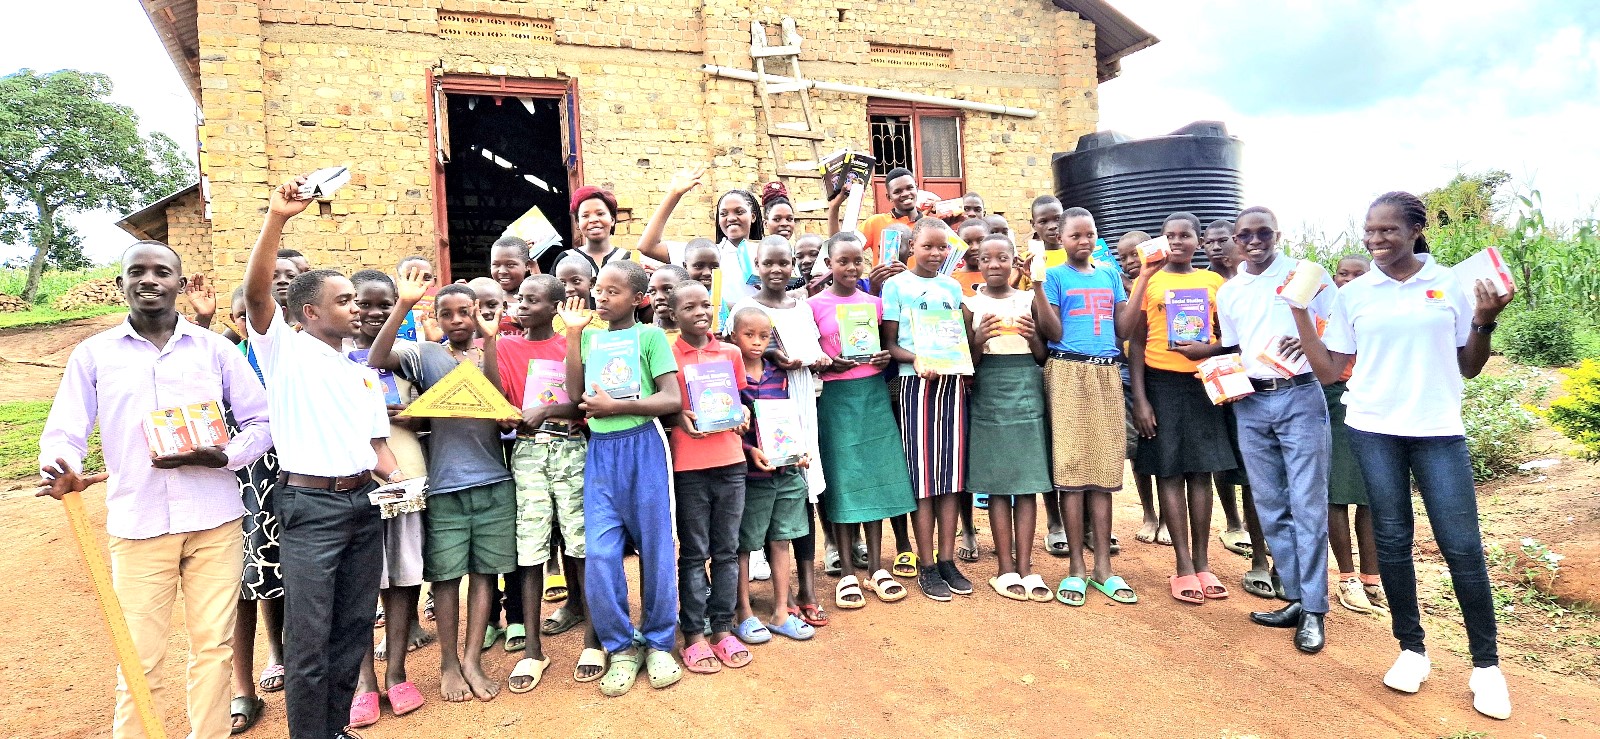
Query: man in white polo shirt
point(1283, 426)
point(331, 442)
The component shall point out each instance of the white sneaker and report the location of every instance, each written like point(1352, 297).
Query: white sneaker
point(759, 569)
point(1489, 693)
point(1409, 672)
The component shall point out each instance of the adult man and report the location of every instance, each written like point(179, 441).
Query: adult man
point(331, 443)
point(174, 521)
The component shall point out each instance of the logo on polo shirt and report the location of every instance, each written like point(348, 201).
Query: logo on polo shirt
point(1433, 297)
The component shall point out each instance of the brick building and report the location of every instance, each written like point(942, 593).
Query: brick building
point(458, 115)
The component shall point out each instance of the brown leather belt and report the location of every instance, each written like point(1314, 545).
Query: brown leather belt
point(331, 484)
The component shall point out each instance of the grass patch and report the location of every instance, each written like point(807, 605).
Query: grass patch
point(52, 283)
point(46, 316)
point(21, 423)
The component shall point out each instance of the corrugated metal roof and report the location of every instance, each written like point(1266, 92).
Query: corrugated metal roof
point(150, 222)
point(1115, 35)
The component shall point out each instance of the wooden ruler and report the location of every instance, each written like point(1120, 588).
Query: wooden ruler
point(127, 656)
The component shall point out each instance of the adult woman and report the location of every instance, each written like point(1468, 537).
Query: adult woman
point(1418, 331)
point(594, 215)
point(739, 229)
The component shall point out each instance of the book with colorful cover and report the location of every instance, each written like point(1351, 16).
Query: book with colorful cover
point(206, 424)
point(890, 242)
point(956, 257)
point(1224, 378)
point(613, 364)
point(858, 331)
point(1188, 316)
point(391, 389)
point(940, 337)
point(547, 385)
point(167, 432)
point(778, 431)
point(843, 167)
point(713, 395)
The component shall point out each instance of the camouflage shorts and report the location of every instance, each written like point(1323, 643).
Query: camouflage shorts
point(549, 475)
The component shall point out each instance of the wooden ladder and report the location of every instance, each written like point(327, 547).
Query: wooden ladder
point(798, 133)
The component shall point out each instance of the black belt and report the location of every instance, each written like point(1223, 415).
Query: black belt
point(331, 484)
point(1085, 358)
point(1280, 383)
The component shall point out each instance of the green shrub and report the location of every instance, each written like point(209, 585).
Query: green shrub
point(1577, 414)
point(1545, 337)
point(1497, 421)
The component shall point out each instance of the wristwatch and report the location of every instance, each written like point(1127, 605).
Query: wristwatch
point(1485, 329)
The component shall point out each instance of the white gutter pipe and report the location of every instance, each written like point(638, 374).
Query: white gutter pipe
point(772, 79)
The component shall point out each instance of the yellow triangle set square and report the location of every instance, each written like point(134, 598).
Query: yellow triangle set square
point(464, 393)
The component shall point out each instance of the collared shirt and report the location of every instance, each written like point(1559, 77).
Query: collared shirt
point(773, 384)
point(117, 378)
point(1252, 317)
point(1408, 382)
point(717, 449)
point(327, 409)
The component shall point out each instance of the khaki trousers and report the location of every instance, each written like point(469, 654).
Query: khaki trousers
point(147, 574)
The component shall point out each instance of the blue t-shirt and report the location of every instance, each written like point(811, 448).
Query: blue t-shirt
point(906, 292)
point(1088, 306)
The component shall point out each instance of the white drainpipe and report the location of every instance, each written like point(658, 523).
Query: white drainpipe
point(772, 79)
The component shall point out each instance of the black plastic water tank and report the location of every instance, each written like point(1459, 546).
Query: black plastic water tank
point(1134, 184)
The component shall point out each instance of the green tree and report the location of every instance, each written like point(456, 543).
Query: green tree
point(64, 147)
point(1467, 198)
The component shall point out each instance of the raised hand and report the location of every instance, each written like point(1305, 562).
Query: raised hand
point(490, 326)
point(686, 179)
point(60, 479)
point(410, 285)
point(202, 298)
point(575, 313)
point(286, 202)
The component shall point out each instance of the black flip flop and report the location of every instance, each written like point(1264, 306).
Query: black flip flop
point(248, 707)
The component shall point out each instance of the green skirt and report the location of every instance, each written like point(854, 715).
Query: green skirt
point(1345, 486)
point(861, 455)
point(1008, 443)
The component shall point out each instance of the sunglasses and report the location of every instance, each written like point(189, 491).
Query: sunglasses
point(1264, 235)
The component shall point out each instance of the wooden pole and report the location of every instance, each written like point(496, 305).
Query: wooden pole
point(111, 608)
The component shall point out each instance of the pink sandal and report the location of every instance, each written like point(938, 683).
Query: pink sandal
point(364, 710)
point(404, 698)
point(1186, 589)
point(727, 649)
point(698, 652)
point(1210, 586)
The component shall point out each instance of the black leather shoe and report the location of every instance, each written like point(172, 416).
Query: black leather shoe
point(1309, 637)
point(1287, 617)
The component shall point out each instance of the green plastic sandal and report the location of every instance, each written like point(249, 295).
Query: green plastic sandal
point(1073, 585)
point(662, 668)
point(1112, 585)
point(619, 678)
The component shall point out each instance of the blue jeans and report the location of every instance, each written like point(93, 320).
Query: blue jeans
point(1287, 448)
point(1443, 472)
point(628, 489)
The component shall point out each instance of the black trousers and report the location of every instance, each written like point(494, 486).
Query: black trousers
point(332, 558)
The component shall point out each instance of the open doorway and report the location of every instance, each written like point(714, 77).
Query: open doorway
point(507, 153)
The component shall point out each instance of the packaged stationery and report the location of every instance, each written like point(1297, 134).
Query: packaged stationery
point(1153, 249)
point(1485, 265)
point(1188, 316)
point(206, 425)
point(713, 396)
point(167, 432)
point(778, 430)
point(1304, 282)
point(1225, 379)
point(858, 331)
point(406, 496)
point(1273, 357)
point(613, 364)
point(956, 257)
point(940, 338)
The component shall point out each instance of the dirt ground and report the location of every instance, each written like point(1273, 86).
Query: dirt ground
point(979, 666)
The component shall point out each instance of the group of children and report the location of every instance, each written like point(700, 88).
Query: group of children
point(714, 411)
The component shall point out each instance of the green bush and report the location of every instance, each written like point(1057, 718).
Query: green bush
point(1497, 421)
point(1545, 337)
point(1577, 414)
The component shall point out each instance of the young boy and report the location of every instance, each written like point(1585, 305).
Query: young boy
point(547, 463)
point(972, 206)
point(1224, 255)
point(807, 248)
point(627, 482)
point(494, 301)
point(663, 283)
point(997, 224)
point(408, 327)
point(1046, 224)
point(701, 258)
point(509, 264)
point(576, 274)
point(1152, 529)
point(470, 526)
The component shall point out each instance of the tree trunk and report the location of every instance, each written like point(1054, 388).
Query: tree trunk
point(43, 234)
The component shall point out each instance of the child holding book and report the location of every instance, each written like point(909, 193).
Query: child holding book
point(933, 406)
point(1082, 312)
point(860, 444)
point(1046, 221)
point(547, 464)
point(1360, 592)
point(628, 374)
point(1153, 529)
point(708, 473)
point(1010, 453)
point(1183, 436)
point(775, 487)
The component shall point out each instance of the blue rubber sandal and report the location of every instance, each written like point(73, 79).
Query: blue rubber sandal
point(1073, 585)
point(794, 628)
point(1112, 585)
point(751, 631)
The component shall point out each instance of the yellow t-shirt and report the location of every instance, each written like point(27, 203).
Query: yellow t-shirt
point(1156, 353)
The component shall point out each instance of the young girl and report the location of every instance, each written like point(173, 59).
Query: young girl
point(860, 444)
point(1185, 438)
point(933, 408)
point(739, 229)
point(779, 211)
point(1009, 459)
point(1418, 331)
point(1362, 592)
point(1153, 529)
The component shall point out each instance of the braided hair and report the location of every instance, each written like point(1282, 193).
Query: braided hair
point(1411, 210)
point(757, 220)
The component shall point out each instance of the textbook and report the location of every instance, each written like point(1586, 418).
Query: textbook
point(844, 167)
point(778, 430)
point(1188, 316)
point(1273, 357)
point(858, 331)
point(391, 390)
point(713, 396)
point(1225, 379)
point(547, 385)
point(1303, 284)
point(534, 228)
point(613, 364)
point(206, 424)
point(1485, 265)
point(184, 429)
point(890, 239)
point(940, 338)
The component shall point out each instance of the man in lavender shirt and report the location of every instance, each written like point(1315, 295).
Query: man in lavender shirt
point(174, 521)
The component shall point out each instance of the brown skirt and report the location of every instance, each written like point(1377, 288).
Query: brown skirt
point(1086, 425)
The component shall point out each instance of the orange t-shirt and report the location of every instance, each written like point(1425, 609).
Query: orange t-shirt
point(1156, 353)
point(872, 230)
point(969, 280)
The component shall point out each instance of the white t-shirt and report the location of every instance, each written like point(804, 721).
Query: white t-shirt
point(325, 409)
point(1252, 317)
point(1408, 382)
point(1016, 305)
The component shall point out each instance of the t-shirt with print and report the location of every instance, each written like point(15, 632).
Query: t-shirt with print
point(1016, 305)
point(655, 359)
point(1087, 303)
point(907, 292)
point(462, 452)
point(825, 309)
point(1156, 353)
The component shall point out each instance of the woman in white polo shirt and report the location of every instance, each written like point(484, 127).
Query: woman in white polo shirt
point(1418, 331)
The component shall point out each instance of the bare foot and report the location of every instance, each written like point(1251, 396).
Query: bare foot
point(453, 686)
point(420, 637)
point(381, 652)
point(1147, 532)
point(484, 687)
point(1163, 537)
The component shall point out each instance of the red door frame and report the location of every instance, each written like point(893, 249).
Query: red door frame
point(915, 111)
point(491, 85)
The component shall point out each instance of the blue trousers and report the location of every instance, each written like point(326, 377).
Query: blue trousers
point(1287, 448)
point(1443, 472)
point(628, 488)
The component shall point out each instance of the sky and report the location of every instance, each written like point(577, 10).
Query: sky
point(1336, 102)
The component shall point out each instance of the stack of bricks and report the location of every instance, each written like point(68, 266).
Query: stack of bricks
point(289, 86)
